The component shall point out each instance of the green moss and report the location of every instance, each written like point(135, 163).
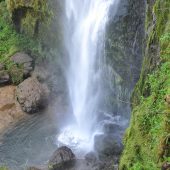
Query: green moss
point(147, 140)
point(3, 168)
point(28, 15)
point(12, 42)
point(17, 74)
point(28, 24)
point(161, 10)
point(38, 5)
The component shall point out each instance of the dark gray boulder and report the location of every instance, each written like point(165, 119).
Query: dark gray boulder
point(91, 157)
point(111, 128)
point(4, 77)
point(25, 61)
point(32, 95)
point(62, 159)
point(108, 144)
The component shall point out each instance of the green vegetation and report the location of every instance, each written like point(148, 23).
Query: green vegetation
point(147, 140)
point(33, 13)
point(12, 42)
point(3, 168)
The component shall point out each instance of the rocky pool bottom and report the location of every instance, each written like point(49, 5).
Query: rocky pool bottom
point(33, 140)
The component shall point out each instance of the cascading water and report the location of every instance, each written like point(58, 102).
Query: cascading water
point(84, 39)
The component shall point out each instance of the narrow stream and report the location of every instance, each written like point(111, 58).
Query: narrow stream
point(32, 140)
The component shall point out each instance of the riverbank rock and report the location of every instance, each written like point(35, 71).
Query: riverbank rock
point(25, 61)
point(61, 159)
point(4, 77)
point(32, 95)
point(10, 110)
point(108, 144)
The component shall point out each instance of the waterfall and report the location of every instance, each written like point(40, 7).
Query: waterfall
point(84, 41)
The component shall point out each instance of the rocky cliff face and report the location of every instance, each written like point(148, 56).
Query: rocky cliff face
point(124, 42)
point(147, 140)
point(28, 15)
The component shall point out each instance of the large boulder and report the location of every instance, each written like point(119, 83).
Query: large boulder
point(25, 61)
point(109, 128)
point(108, 144)
point(32, 95)
point(62, 159)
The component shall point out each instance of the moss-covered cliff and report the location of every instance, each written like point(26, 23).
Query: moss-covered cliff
point(28, 15)
point(147, 140)
point(20, 22)
point(124, 38)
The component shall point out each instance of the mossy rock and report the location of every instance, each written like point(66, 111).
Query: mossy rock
point(16, 74)
point(27, 15)
point(12, 42)
point(147, 140)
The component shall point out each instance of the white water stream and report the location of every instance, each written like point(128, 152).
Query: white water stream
point(84, 39)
